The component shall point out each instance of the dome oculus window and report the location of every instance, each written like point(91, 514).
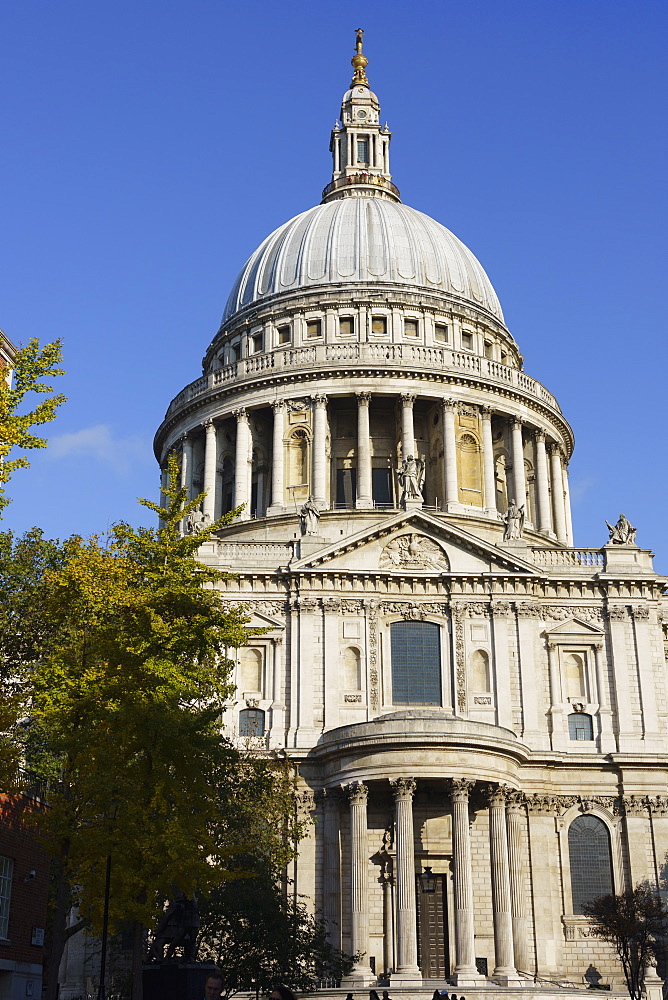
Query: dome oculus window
point(346, 326)
point(411, 329)
point(379, 326)
point(313, 328)
point(441, 333)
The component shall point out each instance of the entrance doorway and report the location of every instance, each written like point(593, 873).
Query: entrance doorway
point(432, 928)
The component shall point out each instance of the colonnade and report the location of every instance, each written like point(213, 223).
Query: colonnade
point(506, 871)
point(552, 506)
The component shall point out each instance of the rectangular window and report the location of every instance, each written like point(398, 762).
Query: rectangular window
point(381, 487)
point(362, 150)
point(488, 349)
point(504, 358)
point(284, 334)
point(416, 663)
point(441, 333)
point(346, 326)
point(346, 487)
point(258, 342)
point(411, 328)
point(235, 352)
point(467, 341)
point(6, 871)
point(313, 328)
point(379, 325)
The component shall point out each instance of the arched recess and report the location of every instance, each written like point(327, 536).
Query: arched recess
point(530, 480)
point(479, 671)
point(612, 825)
point(435, 478)
point(259, 482)
point(227, 485)
point(297, 463)
point(352, 668)
point(251, 670)
point(574, 675)
point(469, 462)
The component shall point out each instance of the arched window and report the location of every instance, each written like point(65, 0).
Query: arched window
point(250, 669)
point(580, 726)
point(251, 722)
point(590, 860)
point(480, 670)
point(416, 663)
point(351, 669)
point(297, 458)
point(575, 675)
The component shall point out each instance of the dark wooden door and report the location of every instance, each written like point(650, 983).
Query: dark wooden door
point(432, 928)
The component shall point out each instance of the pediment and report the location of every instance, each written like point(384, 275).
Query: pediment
point(258, 619)
point(574, 628)
point(418, 543)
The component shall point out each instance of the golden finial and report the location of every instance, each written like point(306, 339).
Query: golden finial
point(359, 61)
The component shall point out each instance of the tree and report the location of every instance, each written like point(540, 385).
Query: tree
point(125, 706)
point(31, 366)
point(633, 923)
point(258, 935)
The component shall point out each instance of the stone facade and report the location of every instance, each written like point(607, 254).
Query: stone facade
point(357, 338)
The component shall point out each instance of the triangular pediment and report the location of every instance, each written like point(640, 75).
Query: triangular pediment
point(259, 620)
point(415, 542)
point(574, 627)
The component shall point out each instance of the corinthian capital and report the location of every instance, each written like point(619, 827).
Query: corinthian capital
point(357, 793)
point(403, 788)
point(460, 789)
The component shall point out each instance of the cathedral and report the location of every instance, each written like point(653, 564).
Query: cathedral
point(477, 708)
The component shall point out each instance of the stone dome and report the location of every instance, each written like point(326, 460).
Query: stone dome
point(365, 240)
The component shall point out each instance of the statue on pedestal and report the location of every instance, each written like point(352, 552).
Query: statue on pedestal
point(411, 478)
point(178, 928)
point(622, 533)
point(196, 522)
point(309, 517)
point(514, 522)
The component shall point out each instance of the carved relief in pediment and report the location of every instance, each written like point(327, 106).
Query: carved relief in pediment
point(414, 552)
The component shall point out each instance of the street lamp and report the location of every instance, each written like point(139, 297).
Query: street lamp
point(427, 880)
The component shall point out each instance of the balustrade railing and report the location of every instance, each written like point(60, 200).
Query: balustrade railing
point(588, 560)
point(256, 553)
point(322, 356)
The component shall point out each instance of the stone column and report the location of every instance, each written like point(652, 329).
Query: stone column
point(521, 929)
point(617, 625)
point(407, 429)
point(504, 959)
point(465, 973)
point(360, 974)
point(331, 866)
point(519, 480)
point(319, 489)
point(388, 922)
point(558, 733)
point(488, 460)
point(364, 497)
point(542, 485)
point(187, 464)
point(567, 507)
point(277, 733)
point(450, 455)
point(241, 491)
point(558, 495)
point(164, 484)
point(277, 462)
point(407, 968)
point(210, 460)
point(646, 675)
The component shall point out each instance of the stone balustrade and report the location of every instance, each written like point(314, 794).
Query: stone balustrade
point(387, 355)
point(255, 553)
point(578, 560)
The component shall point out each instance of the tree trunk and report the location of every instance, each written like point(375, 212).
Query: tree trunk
point(137, 960)
point(57, 936)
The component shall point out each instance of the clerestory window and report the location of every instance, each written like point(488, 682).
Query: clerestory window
point(416, 663)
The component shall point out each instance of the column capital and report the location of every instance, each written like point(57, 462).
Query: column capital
point(241, 413)
point(407, 398)
point(460, 788)
point(517, 422)
point(278, 405)
point(495, 795)
point(450, 404)
point(540, 434)
point(319, 400)
point(515, 801)
point(363, 398)
point(208, 424)
point(403, 788)
point(485, 410)
point(185, 437)
point(357, 793)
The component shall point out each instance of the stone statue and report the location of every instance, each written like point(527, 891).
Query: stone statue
point(177, 928)
point(514, 522)
point(622, 533)
point(411, 478)
point(196, 522)
point(309, 517)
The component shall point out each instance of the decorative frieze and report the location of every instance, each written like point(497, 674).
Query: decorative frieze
point(352, 699)
point(372, 624)
point(458, 613)
point(526, 609)
point(272, 608)
point(305, 804)
point(482, 699)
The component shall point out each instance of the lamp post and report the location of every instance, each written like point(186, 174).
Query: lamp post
point(427, 880)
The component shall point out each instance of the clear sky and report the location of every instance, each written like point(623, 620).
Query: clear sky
point(148, 147)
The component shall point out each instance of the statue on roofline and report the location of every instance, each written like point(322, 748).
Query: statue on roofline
point(514, 522)
point(622, 533)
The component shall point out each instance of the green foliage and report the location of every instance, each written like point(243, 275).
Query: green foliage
point(634, 923)
point(32, 365)
point(258, 935)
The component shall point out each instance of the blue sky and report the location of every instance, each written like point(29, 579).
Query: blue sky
point(149, 146)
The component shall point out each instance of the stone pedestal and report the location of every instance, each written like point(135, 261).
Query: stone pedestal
point(311, 543)
point(175, 981)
